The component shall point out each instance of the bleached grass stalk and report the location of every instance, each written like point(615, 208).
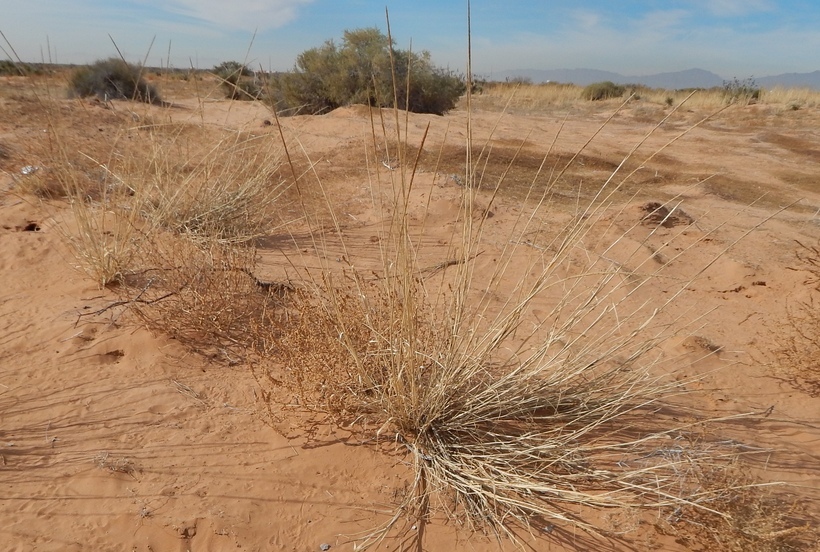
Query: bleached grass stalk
point(104, 241)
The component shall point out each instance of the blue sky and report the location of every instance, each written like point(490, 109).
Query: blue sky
point(729, 37)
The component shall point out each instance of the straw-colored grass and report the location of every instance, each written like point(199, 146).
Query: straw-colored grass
point(224, 191)
point(551, 95)
point(143, 178)
point(524, 402)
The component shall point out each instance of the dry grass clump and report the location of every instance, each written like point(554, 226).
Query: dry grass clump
point(104, 232)
point(522, 402)
point(223, 192)
point(177, 235)
point(505, 425)
point(106, 241)
point(141, 179)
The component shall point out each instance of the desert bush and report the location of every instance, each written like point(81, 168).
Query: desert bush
point(602, 91)
point(741, 91)
point(207, 296)
point(238, 81)
point(112, 78)
point(359, 71)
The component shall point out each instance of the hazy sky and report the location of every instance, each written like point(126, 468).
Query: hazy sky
point(729, 37)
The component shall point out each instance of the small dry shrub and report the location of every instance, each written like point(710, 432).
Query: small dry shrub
point(105, 240)
point(128, 182)
point(746, 516)
point(207, 296)
point(799, 343)
point(103, 233)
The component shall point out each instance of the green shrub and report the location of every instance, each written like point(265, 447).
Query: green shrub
point(112, 78)
point(602, 91)
point(359, 71)
point(238, 81)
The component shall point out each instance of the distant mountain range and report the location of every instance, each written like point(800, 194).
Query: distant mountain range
point(691, 78)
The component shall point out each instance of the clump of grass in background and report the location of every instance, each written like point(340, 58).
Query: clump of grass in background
point(602, 91)
point(17, 69)
point(111, 79)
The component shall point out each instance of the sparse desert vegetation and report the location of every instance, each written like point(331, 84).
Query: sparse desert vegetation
point(366, 69)
point(376, 335)
point(602, 91)
point(112, 78)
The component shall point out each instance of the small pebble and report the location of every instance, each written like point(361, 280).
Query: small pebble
point(324, 547)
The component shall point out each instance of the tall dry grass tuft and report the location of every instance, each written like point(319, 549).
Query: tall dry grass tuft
point(526, 395)
point(223, 192)
point(102, 229)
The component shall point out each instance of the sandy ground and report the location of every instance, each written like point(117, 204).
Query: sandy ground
point(112, 438)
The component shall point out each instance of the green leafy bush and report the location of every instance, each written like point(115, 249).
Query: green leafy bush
point(360, 71)
point(112, 78)
point(602, 91)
